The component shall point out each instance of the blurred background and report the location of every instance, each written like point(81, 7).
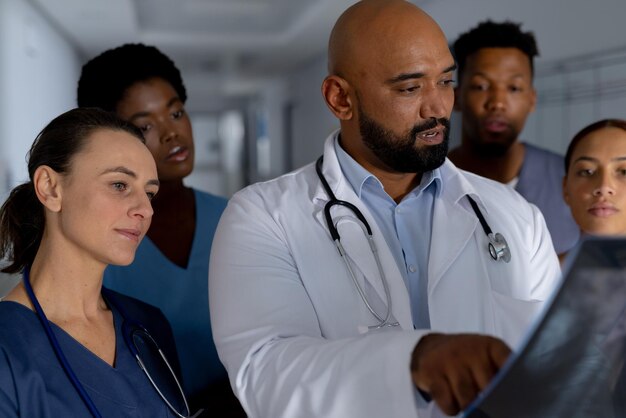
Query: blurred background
point(253, 70)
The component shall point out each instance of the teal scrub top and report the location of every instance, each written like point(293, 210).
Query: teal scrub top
point(181, 294)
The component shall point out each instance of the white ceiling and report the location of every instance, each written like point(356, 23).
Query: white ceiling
point(228, 49)
point(225, 48)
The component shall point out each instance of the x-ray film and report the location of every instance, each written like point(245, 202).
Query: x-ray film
point(572, 361)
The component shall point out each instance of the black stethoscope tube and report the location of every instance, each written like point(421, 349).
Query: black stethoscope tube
point(57, 348)
point(480, 216)
point(126, 325)
point(498, 247)
point(334, 201)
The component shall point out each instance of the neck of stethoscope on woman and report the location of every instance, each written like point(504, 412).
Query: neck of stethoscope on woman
point(129, 327)
point(110, 299)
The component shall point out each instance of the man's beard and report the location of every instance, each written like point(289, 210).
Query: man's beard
point(399, 152)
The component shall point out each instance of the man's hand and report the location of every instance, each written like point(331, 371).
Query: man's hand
point(453, 368)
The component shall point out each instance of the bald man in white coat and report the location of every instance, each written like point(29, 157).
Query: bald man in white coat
point(306, 332)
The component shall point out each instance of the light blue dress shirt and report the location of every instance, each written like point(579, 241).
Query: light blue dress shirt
point(406, 226)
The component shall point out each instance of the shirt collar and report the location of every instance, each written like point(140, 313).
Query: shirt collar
point(353, 171)
point(358, 176)
point(429, 178)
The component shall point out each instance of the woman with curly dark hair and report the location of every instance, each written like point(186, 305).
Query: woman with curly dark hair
point(143, 86)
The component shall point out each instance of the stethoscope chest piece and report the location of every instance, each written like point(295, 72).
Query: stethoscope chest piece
point(498, 248)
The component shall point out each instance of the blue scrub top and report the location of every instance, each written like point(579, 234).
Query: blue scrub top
point(541, 183)
point(34, 384)
point(181, 294)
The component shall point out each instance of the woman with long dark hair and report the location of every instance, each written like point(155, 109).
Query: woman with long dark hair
point(143, 86)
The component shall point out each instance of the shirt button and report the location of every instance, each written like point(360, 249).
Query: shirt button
point(398, 210)
point(412, 268)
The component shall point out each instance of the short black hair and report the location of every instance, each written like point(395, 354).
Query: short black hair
point(105, 78)
point(489, 34)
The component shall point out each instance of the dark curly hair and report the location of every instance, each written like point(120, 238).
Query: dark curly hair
point(489, 34)
point(105, 78)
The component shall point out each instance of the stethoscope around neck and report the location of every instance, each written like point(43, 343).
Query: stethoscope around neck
point(128, 328)
point(497, 247)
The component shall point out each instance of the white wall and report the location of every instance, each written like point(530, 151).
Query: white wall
point(573, 93)
point(38, 75)
point(274, 96)
point(38, 79)
point(312, 121)
point(563, 28)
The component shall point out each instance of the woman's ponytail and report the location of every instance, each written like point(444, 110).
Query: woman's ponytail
point(21, 227)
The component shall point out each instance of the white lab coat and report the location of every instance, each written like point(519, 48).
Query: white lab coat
point(287, 319)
